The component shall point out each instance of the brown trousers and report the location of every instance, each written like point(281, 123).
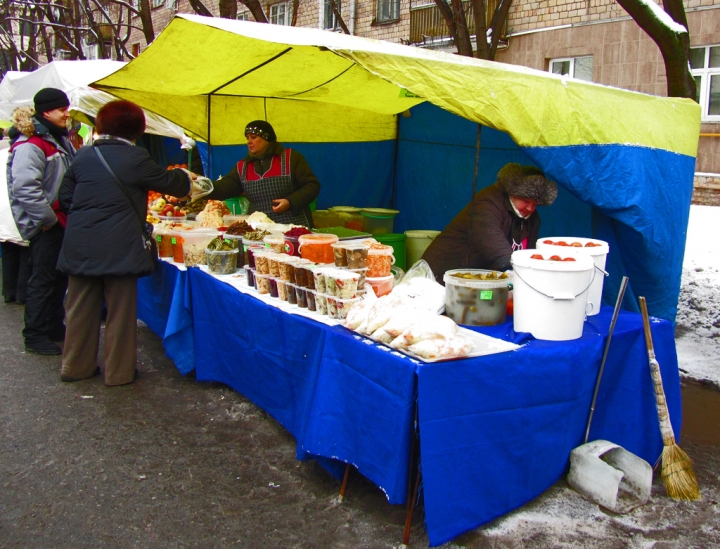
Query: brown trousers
point(83, 316)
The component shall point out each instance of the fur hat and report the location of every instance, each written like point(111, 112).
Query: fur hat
point(526, 182)
point(22, 120)
point(262, 129)
point(121, 119)
point(49, 99)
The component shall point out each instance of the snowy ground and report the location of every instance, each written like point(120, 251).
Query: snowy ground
point(698, 320)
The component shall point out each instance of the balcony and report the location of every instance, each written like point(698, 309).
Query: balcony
point(428, 28)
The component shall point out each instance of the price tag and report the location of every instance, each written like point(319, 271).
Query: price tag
point(159, 238)
point(173, 241)
point(486, 295)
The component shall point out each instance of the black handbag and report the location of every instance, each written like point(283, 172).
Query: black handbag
point(145, 228)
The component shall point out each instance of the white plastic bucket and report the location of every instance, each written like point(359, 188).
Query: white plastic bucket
point(599, 255)
point(550, 297)
point(416, 244)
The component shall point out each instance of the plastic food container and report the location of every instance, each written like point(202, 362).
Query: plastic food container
point(262, 282)
point(332, 309)
point(262, 263)
point(282, 289)
point(274, 264)
point(275, 243)
point(301, 276)
point(246, 247)
point(250, 277)
point(242, 255)
point(321, 303)
point(339, 254)
point(382, 285)
point(310, 270)
point(342, 306)
point(273, 286)
point(475, 302)
point(173, 218)
point(356, 255)
point(291, 295)
point(341, 283)
point(362, 273)
point(311, 305)
point(378, 220)
point(317, 247)
point(301, 296)
point(230, 219)
point(222, 261)
point(193, 245)
point(379, 260)
point(319, 276)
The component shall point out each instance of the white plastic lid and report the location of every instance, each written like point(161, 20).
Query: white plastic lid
point(448, 278)
point(523, 258)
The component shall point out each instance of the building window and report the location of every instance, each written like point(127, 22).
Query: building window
point(705, 68)
point(388, 10)
point(329, 19)
point(156, 3)
point(279, 14)
point(574, 67)
point(244, 16)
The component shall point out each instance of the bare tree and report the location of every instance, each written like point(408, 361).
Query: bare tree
point(455, 13)
point(256, 10)
point(672, 40)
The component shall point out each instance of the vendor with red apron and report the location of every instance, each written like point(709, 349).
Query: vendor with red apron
point(277, 181)
point(498, 220)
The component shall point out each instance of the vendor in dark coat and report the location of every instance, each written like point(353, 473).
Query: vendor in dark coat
point(277, 181)
point(498, 220)
point(104, 251)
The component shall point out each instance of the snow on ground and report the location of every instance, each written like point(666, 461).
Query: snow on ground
point(698, 319)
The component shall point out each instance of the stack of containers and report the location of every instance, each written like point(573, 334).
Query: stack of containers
point(380, 259)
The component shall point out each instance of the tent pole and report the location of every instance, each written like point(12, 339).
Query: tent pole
point(477, 161)
point(209, 107)
point(395, 160)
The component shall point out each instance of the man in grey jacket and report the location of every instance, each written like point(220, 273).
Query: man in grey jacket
point(36, 166)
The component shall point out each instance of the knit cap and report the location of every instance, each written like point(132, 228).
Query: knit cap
point(262, 129)
point(49, 99)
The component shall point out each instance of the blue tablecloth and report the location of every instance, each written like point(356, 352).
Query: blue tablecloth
point(496, 431)
point(164, 304)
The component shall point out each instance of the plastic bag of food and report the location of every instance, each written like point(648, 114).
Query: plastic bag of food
point(435, 327)
point(421, 293)
point(358, 313)
point(436, 348)
point(403, 318)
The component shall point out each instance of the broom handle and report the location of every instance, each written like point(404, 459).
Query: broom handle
point(666, 429)
point(616, 312)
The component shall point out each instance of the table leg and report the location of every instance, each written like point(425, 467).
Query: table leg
point(344, 482)
point(412, 492)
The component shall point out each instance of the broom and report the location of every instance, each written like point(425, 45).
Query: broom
point(677, 472)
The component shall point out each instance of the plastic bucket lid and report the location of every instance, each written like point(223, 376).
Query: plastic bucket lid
point(345, 209)
point(550, 297)
point(390, 237)
point(422, 234)
point(379, 212)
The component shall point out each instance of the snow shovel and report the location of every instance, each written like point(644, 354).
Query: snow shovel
point(602, 471)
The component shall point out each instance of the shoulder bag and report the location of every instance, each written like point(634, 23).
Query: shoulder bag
point(145, 228)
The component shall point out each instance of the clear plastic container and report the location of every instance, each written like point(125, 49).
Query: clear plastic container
point(379, 260)
point(382, 285)
point(301, 296)
point(250, 277)
point(282, 289)
point(332, 309)
point(356, 255)
point(172, 218)
point(378, 220)
point(311, 305)
point(341, 283)
point(262, 264)
point(473, 301)
point(262, 283)
point(230, 219)
point(274, 264)
point(193, 245)
point(310, 270)
point(339, 254)
point(275, 243)
point(321, 303)
point(362, 273)
point(242, 255)
point(317, 247)
point(273, 286)
point(320, 280)
point(343, 306)
point(291, 295)
point(222, 261)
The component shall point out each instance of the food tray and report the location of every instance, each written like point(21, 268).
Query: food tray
point(483, 345)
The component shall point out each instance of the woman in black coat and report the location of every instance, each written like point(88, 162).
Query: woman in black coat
point(104, 250)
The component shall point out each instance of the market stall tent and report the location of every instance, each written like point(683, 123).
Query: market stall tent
point(17, 89)
point(628, 157)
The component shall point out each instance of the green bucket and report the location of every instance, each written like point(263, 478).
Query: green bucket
point(397, 241)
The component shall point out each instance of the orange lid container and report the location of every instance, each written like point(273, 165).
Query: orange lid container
point(317, 247)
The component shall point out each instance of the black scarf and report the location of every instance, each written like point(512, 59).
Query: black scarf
point(56, 131)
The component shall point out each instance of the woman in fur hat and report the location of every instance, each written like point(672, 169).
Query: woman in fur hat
point(277, 181)
point(498, 220)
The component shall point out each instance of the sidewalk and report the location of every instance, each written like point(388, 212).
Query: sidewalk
point(171, 462)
